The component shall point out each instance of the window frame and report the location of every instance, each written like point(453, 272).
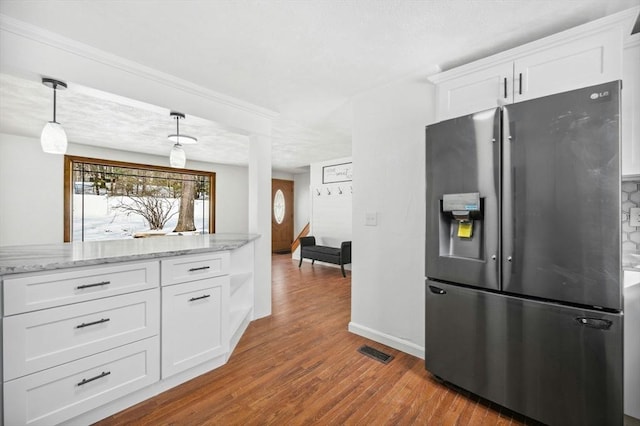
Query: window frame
point(69, 161)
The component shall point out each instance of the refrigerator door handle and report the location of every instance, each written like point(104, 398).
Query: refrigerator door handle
point(520, 84)
point(436, 290)
point(508, 180)
point(600, 324)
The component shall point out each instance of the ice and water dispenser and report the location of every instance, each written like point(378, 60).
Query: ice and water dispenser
point(461, 230)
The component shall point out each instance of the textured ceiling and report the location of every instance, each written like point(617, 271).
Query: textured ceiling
point(303, 59)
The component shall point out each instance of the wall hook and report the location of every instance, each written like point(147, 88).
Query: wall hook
point(339, 190)
point(318, 193)
point(328, 191)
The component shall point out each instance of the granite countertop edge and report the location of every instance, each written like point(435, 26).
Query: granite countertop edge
point(48, 257)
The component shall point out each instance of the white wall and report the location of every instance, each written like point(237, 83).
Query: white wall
point(31, 193)
point(387, 302)
point(301, 201)
point(31, 189)
point(330, 213)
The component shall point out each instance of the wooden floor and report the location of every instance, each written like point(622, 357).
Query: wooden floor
point(301, 366)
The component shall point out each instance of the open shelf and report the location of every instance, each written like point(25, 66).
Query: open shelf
point(238, 280)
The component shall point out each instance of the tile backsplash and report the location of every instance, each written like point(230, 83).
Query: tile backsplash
point(630, 234)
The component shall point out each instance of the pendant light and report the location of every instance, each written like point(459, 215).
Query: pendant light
point(53, 137)
point(178, 158)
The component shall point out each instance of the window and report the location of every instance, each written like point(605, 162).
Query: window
point(107, 200)
point(279, 206)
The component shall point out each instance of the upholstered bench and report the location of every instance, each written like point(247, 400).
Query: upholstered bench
point(338, 256)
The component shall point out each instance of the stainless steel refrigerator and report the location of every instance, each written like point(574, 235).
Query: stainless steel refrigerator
point(523, 290)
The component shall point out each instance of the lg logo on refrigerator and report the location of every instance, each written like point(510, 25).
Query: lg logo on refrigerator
point(600, 95)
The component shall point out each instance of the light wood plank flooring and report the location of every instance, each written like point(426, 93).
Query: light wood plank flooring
point(300, 366)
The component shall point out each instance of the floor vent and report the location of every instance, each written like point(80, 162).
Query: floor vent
point(375, 354)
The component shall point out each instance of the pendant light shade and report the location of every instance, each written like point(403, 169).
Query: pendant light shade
point(178, 158)
point(53, 138)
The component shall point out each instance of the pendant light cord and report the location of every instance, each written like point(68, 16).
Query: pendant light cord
point(178, 129)
point(54, 103)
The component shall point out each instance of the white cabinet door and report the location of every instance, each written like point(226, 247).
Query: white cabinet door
point(194, 323)
point(58, 394)
point(569, 65)
point(631, 108)
point(481, 89)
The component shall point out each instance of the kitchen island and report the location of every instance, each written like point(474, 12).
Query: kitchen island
point(91, 328)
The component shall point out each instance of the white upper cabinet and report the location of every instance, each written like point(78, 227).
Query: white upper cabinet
point(631, 107)
point(481, 89)
point(582, 56)
point(569, 65)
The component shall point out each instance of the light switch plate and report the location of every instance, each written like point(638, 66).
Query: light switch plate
point(634, 216)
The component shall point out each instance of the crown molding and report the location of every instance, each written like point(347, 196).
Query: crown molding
point(57, 41)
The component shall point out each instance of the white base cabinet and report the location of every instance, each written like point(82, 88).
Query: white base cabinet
point(194, 323)
point(80, 344)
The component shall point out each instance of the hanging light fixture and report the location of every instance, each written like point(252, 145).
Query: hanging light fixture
point(178, 158)
point(53, 137)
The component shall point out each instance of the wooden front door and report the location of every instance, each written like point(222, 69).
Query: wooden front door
point(281, 215)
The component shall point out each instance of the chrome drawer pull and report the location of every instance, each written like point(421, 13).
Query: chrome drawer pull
point(199, 269)
point(99, 376)
point(199, 298)
point(87, 324)
point(80, 287)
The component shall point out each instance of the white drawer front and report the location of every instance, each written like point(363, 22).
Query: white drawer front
point(180, 269)
point(38, 340)
point(194, 323)
point(61, 393)
point(24, 293)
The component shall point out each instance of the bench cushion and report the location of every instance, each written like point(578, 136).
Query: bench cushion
point(323, 250)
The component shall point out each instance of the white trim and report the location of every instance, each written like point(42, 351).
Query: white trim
point(57, 41)
point(387, 339)
point(632, 41)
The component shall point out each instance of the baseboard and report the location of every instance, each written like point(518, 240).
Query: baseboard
point(388, 340)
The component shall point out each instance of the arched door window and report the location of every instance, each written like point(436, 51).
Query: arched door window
point(278, 206)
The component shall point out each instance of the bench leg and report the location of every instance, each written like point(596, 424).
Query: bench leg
point(342, 267)
point(300, 263)
point(313, 261)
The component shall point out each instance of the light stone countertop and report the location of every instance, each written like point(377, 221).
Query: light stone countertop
point(45, 257)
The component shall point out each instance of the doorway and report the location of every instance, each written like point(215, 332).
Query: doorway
point(281, 215)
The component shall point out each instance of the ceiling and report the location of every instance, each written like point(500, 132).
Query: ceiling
point(304, 60)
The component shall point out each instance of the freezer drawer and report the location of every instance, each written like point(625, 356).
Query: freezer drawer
point(556, 364)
